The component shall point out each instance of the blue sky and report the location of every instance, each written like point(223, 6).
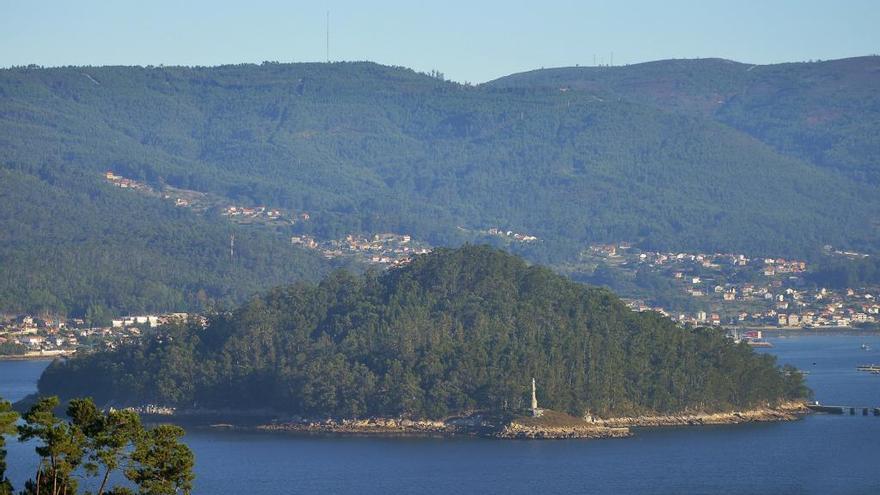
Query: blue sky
point(471, 41)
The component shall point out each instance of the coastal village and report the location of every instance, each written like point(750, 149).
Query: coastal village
point(27, 336)
point(735, 290)
point(704, 289)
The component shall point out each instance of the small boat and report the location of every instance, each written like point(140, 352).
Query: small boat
point(869, 367)
point(866, 347)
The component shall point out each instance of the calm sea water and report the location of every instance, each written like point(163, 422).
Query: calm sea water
point(820, 454)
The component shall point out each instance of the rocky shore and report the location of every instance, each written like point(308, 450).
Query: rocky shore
point(788, 411)
point(521, 431)
point(551, 425)
point(371, 426)
point(34, 356)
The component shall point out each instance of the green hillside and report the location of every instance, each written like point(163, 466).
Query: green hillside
point(368, 148)
point(72, 245)
point(825, 112)
point(456, 331)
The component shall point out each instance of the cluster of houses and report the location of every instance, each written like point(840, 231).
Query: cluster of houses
point(775, 295)
point(819, 308)
point(382, 249)
point(258, 212)
point(835, 315)
point(853, 255)
point(511, 235)
point(120, 181)
point(203, 202)
point(29, 336)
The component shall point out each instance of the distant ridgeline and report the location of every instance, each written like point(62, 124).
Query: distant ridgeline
point(455, 331)
point(701, 155)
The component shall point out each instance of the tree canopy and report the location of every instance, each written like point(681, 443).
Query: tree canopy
point(455, 331)
point(366, 148)
point(93, 443)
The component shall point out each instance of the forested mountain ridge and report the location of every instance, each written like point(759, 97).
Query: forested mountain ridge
point(368, 148)
point(826, 112)
point(454, 332)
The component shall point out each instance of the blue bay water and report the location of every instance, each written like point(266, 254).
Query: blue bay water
point(820, 454)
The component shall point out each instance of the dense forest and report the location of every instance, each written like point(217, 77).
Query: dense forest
point(455, 331)
point(366, 148)
point(826, 112)
point(73, 245)
point(841, 273)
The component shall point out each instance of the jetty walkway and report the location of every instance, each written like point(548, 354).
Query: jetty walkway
point(821, 408)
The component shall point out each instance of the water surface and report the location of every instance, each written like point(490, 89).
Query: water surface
point(820, 454)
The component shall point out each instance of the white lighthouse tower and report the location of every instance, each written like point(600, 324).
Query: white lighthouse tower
point(536, 412)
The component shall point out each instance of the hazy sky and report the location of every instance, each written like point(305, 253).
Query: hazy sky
point(467, 40)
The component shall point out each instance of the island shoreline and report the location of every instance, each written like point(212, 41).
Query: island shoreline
point(788, 411)
point(484, 427)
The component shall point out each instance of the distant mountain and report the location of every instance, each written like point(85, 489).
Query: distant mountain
point(456, 331)
point(368, 148)
point(825, 112)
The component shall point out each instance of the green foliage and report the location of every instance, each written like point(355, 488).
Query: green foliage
point(453, 332)
point(96, 443)
point(90, 250)
point(12, 349)
point(367, 148)
point(648, 285)
point(61, 447)
point(8, 417)
point(841, 273)
point(109, 435)
point(163, 464)
point(825, 112)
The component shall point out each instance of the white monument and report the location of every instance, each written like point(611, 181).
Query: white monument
point(536, 412)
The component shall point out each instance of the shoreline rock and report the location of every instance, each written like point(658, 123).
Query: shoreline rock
point(516, 430)
point(789, 411)
point(465, 427)
point(32, 357)
point(371, 426)
point(553, 426)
